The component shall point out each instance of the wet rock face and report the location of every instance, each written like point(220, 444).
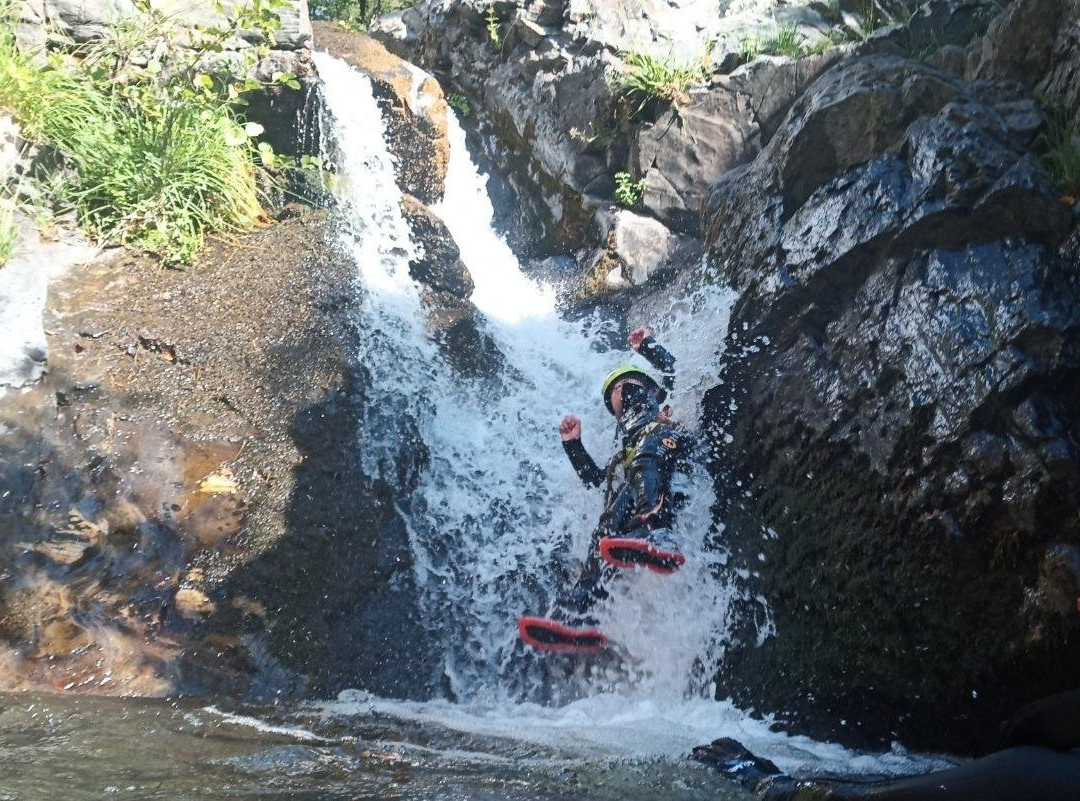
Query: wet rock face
point(901, 403)
point(413, 107)
point(182, 500)
point(439, 267)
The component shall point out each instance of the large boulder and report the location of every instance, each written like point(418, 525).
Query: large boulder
point(720, 127)
point(899, 412)
point(636, 250)
point(1051, 69)
point(438, 264)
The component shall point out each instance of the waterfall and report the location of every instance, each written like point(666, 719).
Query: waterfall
point(498, 520)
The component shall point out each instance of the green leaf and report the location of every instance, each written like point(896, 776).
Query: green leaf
point(203, 81)
point(266, 153)
point(234, 135)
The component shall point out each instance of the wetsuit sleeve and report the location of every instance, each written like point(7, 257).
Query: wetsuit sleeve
point(582, 463)
point(660, 358)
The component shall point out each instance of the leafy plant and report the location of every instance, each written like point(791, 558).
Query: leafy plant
point(628, 191)
point(647, 78)
point(460, 104)
point(1063, 154)
point(160, 152)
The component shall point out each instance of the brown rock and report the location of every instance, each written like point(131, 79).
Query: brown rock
point(58, 638)
point(194, 604)
point(413, 108)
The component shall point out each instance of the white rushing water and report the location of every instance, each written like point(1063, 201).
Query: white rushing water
point(498, 520)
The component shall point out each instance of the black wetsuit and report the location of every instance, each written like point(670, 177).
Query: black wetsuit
point(644, 505)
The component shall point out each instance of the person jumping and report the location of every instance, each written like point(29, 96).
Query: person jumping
point(639, 508)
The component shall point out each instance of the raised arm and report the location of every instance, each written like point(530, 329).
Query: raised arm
point(583, 464)
point(657, 355)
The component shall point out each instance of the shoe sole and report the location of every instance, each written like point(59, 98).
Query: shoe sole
point(549, 635)
point(627, 553)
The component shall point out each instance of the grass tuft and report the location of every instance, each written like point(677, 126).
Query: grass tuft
point(787, 42)
point(159, 163)
point(1063, 154)
point(647, 78)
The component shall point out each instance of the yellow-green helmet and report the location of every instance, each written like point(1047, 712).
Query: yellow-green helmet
point(626, 371)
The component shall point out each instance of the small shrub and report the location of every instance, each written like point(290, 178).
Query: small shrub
point(460, 104)
point(1063, 154)
point(628, 191)
point(647, 78)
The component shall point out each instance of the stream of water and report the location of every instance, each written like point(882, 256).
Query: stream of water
point(498, 519)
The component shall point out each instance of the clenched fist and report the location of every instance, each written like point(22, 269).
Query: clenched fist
point(637, 336)
point(569, 428)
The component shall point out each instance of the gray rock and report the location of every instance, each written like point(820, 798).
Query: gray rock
point(636, 250)
point(771, 84)
point(1009, 49)
point(440, 266)
point(948, 22)
point(898, 400)
point(84, 20)
point(686, 148)
point(1060, 85)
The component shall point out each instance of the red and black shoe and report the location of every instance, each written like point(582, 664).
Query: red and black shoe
point(545, 634)
point(627, 553)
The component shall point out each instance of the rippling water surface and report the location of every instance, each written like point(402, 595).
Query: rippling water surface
point(61, 747)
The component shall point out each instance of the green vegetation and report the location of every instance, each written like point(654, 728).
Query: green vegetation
point(872, 19)
point(1063, 154)
point(647, 78)
point(493, 25)
point(749, 49)
point(159, 154)
point(787, 42)
point(460, 104)
point(628, 191)
point(356, 15)
point(8, 231)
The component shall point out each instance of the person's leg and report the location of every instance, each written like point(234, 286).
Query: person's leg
point(573, 606)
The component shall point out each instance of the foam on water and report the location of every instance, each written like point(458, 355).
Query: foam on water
point(498, 520)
